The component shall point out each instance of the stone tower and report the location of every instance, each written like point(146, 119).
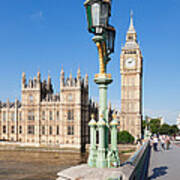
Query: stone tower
point(74, 103)
point(131, 66)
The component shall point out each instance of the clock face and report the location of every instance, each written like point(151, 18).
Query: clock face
point(130, 63)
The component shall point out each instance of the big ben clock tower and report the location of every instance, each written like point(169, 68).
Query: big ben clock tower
point(131, 65)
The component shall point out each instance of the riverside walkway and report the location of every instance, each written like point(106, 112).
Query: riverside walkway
point(165, 165)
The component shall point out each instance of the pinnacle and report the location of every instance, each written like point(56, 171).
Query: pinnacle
point(79, 71)
point(131, 26)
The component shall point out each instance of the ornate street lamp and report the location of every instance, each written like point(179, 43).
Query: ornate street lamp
point(98, 13)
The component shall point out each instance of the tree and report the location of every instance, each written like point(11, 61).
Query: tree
point(173, 130)
point(125, 137)
point(144, 124)
point(164, 129)
point(155, 126)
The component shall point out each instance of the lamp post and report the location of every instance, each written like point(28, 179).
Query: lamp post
point(98, 13)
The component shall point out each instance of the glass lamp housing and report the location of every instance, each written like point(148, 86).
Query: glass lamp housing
point(98, 12)
point(110, 39)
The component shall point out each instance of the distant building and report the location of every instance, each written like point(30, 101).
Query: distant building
point(178, 121)
point(148, 119)
point(45, 118)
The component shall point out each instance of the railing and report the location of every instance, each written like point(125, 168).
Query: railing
point(136, 168)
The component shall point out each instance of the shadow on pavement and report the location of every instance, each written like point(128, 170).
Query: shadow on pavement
point(157, 172)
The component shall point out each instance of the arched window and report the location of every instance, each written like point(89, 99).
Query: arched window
point(43, 130)
point(4, 116)
point(12, 116)
point(50, 115)
point(31, 115)
point(20, 129)
point(43, 115)
point(57, 130)
point(31, 99)
point(70, 114)
point(30, 129)
point(57, 114)
point(70, 130)
point(4, 129)
point(50, 130)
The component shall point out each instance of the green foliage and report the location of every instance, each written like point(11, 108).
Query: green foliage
point(164, 129)
point(125, 137)
point(144, 124)
point(173, 130)
point(155, 126)
point(168, 130)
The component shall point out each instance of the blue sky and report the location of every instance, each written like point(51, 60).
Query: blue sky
point(46, 34)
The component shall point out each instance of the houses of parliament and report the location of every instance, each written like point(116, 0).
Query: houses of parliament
point(45, 118)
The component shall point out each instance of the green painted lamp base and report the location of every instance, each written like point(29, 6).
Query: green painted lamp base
point(113, 159)
point(92, 158)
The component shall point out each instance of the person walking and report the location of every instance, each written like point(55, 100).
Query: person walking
point(167, 142)
point(162, 142)
point(155, 143)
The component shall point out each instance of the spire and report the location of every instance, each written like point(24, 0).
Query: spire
point(131, 35)
point(62, 77)
point(39, 76)
point(79, 73)
point(49, 79)
point(62, 71)
point(70, 76)
point(131, 26)
point(23, 78)
point(86, 80)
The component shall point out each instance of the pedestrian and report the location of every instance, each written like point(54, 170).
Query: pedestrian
point(167, 142)
point(155, 143)
point(162, 142)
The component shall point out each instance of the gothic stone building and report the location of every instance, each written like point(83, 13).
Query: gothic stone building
point(45, 118)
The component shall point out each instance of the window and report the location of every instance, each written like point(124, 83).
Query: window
point(70, 130)
point(4, 129)
point(130, 52)
point(57, 115)
point(50, 130)
point(57, 130)
point(130, 37)
point(70, 114)
point(70, 97)
point(4, 116)
point(31, 98)
point(30, 129)
point(12, 116)
point(31, 116)
point(43, 130)
point(43, 115)
point(20, 129)
point(20, 116)
point(50, 115)
point(12, 129)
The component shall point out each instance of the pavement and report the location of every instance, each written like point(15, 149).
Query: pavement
point(165, 165)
